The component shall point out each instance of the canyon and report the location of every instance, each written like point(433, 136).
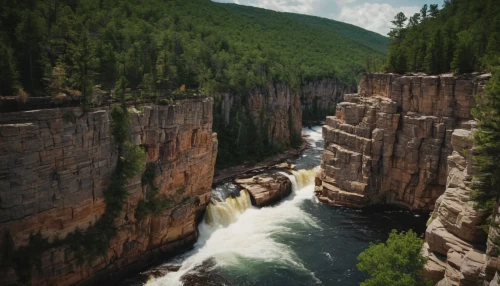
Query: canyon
point(55, 165)
point(408, 141)
point(401, 140)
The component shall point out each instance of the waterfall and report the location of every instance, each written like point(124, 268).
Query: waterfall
point(305, 177)
point(302, 178)
point(225, 213)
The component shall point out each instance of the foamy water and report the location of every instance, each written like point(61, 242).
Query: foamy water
point(234, 231)
point(296, 242)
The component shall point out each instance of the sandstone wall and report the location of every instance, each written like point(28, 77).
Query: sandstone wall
point(454, 243)
point(390, 143)
point(56, 163)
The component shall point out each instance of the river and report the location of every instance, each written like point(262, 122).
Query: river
point(299, 241)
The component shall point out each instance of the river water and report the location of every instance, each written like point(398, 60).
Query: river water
point(296, 242)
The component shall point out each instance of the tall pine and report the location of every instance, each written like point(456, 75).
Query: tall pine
point(487, 142)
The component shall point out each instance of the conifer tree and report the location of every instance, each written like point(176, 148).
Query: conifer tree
point(8, 71)
point(487, 144)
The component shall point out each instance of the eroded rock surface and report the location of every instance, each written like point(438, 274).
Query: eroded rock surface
point(454, 232)
point(389, 144)
point(266, 189)
point(56, 163)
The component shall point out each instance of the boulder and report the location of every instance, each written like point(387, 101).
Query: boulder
point(266, 189)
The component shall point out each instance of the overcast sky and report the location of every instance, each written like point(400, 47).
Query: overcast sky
point(373, 15)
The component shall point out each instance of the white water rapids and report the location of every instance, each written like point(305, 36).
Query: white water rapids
point(233, 231)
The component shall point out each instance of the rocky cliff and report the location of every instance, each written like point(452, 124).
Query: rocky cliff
point(454, 241)
point(389, 144)
point(320, 97)
point(281, 109)
point(55, 165)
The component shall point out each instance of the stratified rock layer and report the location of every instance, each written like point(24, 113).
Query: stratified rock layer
point(389, 144)
point(56, 163)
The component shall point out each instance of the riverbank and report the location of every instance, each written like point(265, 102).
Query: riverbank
point(229, 173)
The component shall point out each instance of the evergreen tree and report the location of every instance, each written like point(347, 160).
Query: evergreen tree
point(8, 72)
point(424, 11)
point(85, 63)
point(433, 10)
point(487, 144)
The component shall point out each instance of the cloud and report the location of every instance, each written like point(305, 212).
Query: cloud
point(295, 6)
point(373, 16)
point(344, 2)
point(366, 14)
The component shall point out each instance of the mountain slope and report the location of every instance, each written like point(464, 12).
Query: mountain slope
point(164, 44)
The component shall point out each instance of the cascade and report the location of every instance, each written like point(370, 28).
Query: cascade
point(304, 177)
point(225, 213)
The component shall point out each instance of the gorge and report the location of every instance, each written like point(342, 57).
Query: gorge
point(298, 241)
point(166, 143)
point(402, 140)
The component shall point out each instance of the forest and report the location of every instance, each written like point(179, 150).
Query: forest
point(68, 46)
point(74, 49)
point(461, 36)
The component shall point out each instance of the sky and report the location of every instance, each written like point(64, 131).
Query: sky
point(373, 15)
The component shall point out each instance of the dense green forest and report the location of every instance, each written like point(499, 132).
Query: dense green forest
point(55, 46)
point(73, 49)
point(463, 36)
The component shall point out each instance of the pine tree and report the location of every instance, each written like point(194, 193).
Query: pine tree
point(8, 72)
point(487, 143)
point(84, 66)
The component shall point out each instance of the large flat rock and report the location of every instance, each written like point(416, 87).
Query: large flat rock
point(266, 189)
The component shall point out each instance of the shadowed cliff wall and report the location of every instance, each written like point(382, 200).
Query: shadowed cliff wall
point(56, 163)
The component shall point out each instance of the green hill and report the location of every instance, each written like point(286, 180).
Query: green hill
point(49, 47)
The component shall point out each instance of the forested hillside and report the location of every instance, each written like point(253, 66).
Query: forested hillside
point(64, 45)
point(463, 36)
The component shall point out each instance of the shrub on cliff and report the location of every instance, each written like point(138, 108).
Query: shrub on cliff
point(396, 262)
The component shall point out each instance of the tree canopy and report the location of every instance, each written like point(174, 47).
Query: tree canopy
point(462, 37)
point(159, 44)
point(397, 262)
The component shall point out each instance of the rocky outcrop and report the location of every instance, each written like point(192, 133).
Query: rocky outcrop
point(389, 144)
point(454, 241)
point(56, 163)
point(266, 189)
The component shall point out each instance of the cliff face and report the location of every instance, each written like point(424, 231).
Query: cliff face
point(280, 109)
point(320, 97)
point(390, 143)
point(454, 243)
point(275, 107)
point(56, 163)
